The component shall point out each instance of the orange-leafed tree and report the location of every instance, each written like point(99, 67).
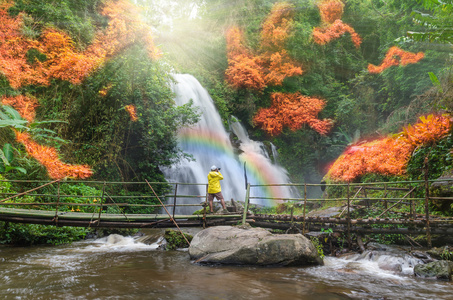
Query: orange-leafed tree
point(13, 49)
point(396, 57)
point(132, 111)
point(48, 157)
point(62, 59)
point(386, 156)
point(25, 105)
point(271, 64)
point(389, 155)
point(276, 28)
point(244, 69)
point(427, 130)
point(330, 10)
point(324, 35)
point(279, 66)
point(293, 111)
point(333, 27)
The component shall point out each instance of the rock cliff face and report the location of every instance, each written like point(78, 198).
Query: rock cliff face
point(244, 245)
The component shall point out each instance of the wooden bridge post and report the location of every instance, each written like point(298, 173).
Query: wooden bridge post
point(385, 196)
point(100, 204)
point(246, 203)
point(174, 200)
point(349, 218)
point(428, 229)
point(205, 207)
point(58, 202)
point(411, 203)
point(305, 205)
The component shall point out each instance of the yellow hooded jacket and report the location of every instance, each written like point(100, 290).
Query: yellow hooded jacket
point(214, 182)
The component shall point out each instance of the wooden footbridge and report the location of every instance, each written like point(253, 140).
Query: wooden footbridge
point(378, 208)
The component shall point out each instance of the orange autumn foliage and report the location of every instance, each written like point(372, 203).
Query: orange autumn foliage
point(395, 57)
point(273, 64)
point(293, 111)
point(279, 66)
point(125, 28)
point(333, 27)
point(13, 49)
point(277, 26)
point(48, 157)
point(390, 155)
point(132, 112)
point(25, 105)
point(386, 156)
point(63, 61)
point(244, 70)
point(330, 10)
point(324, 35)
point(427, 130)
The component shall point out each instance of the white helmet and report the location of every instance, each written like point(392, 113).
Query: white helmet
point(213, 168)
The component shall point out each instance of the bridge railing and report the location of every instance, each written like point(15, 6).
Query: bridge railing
point(412, 197)
point(409, 199)
point(99, 196)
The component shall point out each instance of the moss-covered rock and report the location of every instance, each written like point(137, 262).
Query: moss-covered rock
point(441, 270)
point(175, 239)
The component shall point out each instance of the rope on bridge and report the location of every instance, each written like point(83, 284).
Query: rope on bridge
point(171, 218)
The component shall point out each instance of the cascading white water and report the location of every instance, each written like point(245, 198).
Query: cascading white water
point(209, 144)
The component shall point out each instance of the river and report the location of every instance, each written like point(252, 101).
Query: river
point(125, 268)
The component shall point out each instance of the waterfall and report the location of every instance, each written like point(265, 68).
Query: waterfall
point(209, 144)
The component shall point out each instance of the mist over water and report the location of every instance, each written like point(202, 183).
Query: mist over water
point(209, 144)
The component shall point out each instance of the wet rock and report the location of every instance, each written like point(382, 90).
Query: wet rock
point(420, 255)
point(243, 245)
point(425, 257)
point(441, 269)
point(393, 267)
point(115, 239)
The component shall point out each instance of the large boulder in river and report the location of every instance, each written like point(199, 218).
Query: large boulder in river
point(441, 269)
point(244, 245)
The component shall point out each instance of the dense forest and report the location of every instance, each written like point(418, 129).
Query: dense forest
point(85, 85)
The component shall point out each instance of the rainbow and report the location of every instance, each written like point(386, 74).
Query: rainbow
point(258, 169)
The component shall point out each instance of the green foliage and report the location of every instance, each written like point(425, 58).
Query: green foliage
point(438, 24)
point(30, 234)
point(439, 159)
point(6, 160)
point(5, 186)
point(77, 17)
point(446, 254)
point(79, 189)
point(102, 133)
point(318, 246)
point(175, 239)
point(9, 117)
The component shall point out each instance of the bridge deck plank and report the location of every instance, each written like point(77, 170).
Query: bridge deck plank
point(19, 212)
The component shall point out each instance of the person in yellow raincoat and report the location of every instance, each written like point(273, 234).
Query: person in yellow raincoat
point(214, 188)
